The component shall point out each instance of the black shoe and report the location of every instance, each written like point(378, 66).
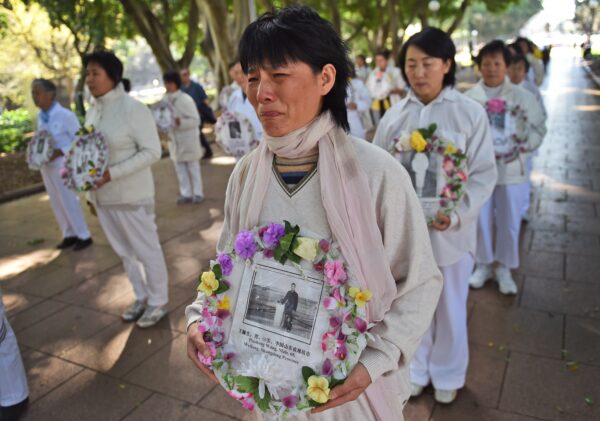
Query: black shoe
point(81, 244)
point(14, 412)
point(67, 242)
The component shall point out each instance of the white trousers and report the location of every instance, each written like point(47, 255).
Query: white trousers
point(13, 382)
point(64, 202)
point(504, 211)
point(190, 178)
point(443, 355)
point(131, 231)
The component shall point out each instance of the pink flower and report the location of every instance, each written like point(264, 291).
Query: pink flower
point(334, 322)
point(335, 300)
point(207, 360)
point(324, 246)
point(64, 172)
point(335, 274)
point(448, 165)
point(319, 266)
point(448, 193)
point(341, 352)
point(268, 253)
point(462, 176)
point(290, 401)
point(327, 368)
point(496, 105)
point(248, 403)
point(327, 339)
point(360, 325)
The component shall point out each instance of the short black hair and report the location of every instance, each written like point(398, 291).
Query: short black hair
point(515, 46)
point(126, 84)
point(172, 76)
point(435, 43)
point(384, 53)
point(493, 47)
point(519, 40)
point(46, 85)
point(299, 34)
point(520, 58)
point(362, 56)
point(108, 61)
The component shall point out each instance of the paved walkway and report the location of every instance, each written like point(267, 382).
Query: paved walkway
point(535, 356)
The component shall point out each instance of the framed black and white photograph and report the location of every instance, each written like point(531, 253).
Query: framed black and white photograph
point(425, 170)
point(283, 304)
point(40, 149)
point(235, 134)
point(500, 124)
point(164, 116)
point(235, 129)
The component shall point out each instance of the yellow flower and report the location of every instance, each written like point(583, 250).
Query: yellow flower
point(208, 283)
point(224, 304)
point(417, 141)
point(92, 172)
point(306, 248)
point(318, 389)
point(450, 149)
point(360, 297)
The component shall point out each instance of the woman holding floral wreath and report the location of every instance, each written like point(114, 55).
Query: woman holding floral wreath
point(124, 197)
point(427, 63)
point(307, 171)
point(518, 128)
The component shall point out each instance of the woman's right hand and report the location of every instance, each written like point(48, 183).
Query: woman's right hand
point(196, 344)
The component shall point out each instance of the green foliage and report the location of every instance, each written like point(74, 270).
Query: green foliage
point(500, 25)
point(283, 251)
point(13, 127)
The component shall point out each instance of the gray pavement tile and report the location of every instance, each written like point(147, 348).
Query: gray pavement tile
point(35, 314)
point(566, 208)
point(582, 340)
point(571, 243)
point(44, 281)
point(161, 408)
point(45, 372)
point(61, 331)
point(548, 389)
point(583, 268)
point(88, 396)
point(546, 222)
point(119, 348)
point(420, 408)
point(583, 225)
point(171, 373)
point(541, 263)
point(573, 298)
point(175, 320)
point(16, 302)
point(530, 331)
point(183, 268)
point(466, 408)
point(219, 401)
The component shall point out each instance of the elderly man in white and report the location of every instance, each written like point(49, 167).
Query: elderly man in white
point(62, 125)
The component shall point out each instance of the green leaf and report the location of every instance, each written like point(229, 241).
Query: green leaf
point(35, 241)
point(307, 372)
point(217, 271)
point(335, 382)
point(246, 384)
point(222, 288)
point(312, 403)
point(286, 241)
point(263, 403)
point(91, 164)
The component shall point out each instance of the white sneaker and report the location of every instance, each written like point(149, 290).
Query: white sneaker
point(416, 390)
point(152, 316)
point(482, 273)
point(506, 283)
point(444, 396)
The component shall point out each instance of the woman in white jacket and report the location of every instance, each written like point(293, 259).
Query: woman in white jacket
point(358, 102)
point(427, 63)
point(184, 148)
point(504, 209)
point(124, 197)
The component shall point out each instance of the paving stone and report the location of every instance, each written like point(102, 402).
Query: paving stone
point(419, 408)
point(466, 408)
point(583, 268)
point(219, 401)
point(583, 225)
point(546, 222)
point(176, 320)
point(159, 408)
point(574, 298)
point(572, 243)
point(15, 302)
point(119, 348)
point(61, 331)
point(531, 331)
point(44, 282)
point(184, 270)
point(547, 389)
point(45, 372)
point(171, 373)
point(582, 340)
point(541, 263)
point(88, 396)
point(35, 314)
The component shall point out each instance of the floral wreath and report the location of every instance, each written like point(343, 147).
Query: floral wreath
point(227, 117)
point(161, 126)
point(519, 138)
point(454, 162)
point(83, 178)
point(34, 160)
point(341, 344)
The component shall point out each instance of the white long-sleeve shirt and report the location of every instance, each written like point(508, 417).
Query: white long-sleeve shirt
point(465, 123)
point(532, 87)
point(515, 172)
point(380, 84)
point(238, 103)
point(62, 125)
point(358, 94)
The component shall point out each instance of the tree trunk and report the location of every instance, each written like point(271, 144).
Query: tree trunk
point(79, 104)
point(459, 17)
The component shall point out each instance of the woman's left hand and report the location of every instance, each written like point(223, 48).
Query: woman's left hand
point(442, 221)
point(356, 383)
point(105, 179)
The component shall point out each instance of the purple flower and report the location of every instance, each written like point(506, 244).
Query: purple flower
point(273, 234)
point(334, 322)
point(327, 368)
point(340, 350)
point(244, 245)
point(324, 246)
point(290, 401)
point(360, 325)
point(268, 253)
point(229, 356)
point(226, 264)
